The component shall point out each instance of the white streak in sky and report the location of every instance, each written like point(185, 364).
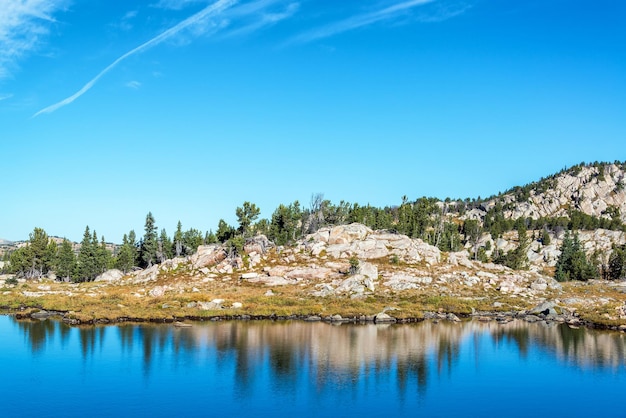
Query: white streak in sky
point(23, 24)
point(213, 9)
point(357, 21)
point(266, 19)
point(5, 96)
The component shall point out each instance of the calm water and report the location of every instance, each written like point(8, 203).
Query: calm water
point(299, 369)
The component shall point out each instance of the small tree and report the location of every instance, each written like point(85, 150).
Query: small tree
point(246, 215)
point(572, 263)
point(66, 261)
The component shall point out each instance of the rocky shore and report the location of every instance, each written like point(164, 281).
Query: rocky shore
point(347, 273)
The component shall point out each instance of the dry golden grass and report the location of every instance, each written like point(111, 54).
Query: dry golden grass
point(91, 302)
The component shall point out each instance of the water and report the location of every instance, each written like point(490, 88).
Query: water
point(265, 369)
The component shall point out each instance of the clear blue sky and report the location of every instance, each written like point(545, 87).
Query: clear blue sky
point(188, 108)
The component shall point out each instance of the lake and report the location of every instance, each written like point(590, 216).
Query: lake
point(263, 369)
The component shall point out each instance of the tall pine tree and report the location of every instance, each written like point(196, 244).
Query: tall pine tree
point(149, 244)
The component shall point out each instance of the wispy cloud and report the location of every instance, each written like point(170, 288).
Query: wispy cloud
point(358, 21)
point(175, 4)
point(23, 25)
point(264, 20)
point(5, 96)
point(133, 84)
point(195, 19)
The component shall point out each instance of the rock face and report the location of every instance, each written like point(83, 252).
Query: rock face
point(589, 189)
point(207, 255)
point(357, 240)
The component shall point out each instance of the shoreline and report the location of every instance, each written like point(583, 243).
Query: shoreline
point(501, 317)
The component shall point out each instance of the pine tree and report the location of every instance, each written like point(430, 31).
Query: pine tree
point(164, 250)
point(573, 264)
point(178, 240)
point(86, 258)
point(224, 231)
point(149, 244)
point(246, 215)
point(103, 257)
point(66, 261)
point(192, 239)
point(35, 259)
point(127, 255)
point(617, 263)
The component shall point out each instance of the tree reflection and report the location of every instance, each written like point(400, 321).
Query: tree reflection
point(330, 357)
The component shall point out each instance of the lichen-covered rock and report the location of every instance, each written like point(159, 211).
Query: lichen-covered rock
point(112, 275)
point(207, 255)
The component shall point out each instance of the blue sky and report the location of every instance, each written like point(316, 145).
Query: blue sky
point(188, 108)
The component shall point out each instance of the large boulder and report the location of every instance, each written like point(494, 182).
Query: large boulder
point(258, 244)
point(113, 275)
point(207, 255)
point(346, 234)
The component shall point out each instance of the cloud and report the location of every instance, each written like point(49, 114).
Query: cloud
point(133, 84)
point(5, 96)
point(358, 21)
point(175, 4)
point(23, 25)
point(266, 19)
point(215, 8)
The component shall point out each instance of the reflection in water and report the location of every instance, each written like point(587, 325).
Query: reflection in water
point(413, 359)
point(330, 349)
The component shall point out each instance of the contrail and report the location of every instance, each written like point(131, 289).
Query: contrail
point(216, 7)
point(357, 21)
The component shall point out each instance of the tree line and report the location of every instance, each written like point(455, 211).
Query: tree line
point(430, 219)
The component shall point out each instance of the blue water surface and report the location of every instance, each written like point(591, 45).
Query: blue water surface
point(265, 369)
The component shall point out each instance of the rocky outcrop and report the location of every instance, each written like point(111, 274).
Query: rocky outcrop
point(589, 189)
point(207, 255)
point(359, 241)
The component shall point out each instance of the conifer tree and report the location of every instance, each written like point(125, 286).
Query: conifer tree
point(66, 261)
point(178, 240)
point(86, 269)
point(127, 255)
point(149, 243)
point(246, 215)
point(165, 247)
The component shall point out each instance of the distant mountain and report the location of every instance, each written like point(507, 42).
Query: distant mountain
point(5, 242)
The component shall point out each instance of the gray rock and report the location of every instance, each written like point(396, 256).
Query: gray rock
point(544, 308)
point(113, 275)
point(207, 255)
point(313, 318)
point(383, 318)
point(157, 291)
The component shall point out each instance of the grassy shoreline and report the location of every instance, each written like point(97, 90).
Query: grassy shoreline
point(81, 305)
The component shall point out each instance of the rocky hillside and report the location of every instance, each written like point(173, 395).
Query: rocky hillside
point(596, 190)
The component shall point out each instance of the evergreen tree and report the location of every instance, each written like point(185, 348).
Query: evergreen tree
point(210, 238)
point(35, 259)
point(472, 231)
point(87, 267)
point(617, 263)
point(149, 244)
point(572, 263)
point(66, 261)
point(164, 251)
point(246, 215)
point(178, 240)
point(224, 231)
point(192, 239)
point(518, 258)
point(127, 255)
point(103, 257)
